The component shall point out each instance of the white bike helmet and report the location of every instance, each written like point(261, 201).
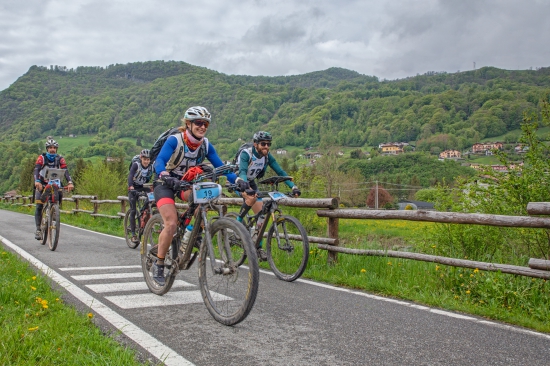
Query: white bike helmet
point(197, 112)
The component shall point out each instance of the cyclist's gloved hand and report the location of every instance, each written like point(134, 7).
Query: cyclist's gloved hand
point(170, 182)
point(250, 192)
point(242, 185)
point(296, 191)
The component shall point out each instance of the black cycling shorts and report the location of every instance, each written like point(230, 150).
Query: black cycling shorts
point(164, 195)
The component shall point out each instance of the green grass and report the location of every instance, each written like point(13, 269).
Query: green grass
point(517, 300)
point(38, 328)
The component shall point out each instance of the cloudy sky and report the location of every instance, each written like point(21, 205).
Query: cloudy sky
point(388, 39)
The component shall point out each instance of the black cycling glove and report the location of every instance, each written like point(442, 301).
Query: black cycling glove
point(296, 192)
point(242, 185)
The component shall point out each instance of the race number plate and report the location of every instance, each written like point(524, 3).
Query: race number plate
point(55, 182)
point(206, 191)
point(151, 196)
point(275, 196)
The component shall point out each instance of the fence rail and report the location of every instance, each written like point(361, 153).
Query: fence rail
point(328, 208)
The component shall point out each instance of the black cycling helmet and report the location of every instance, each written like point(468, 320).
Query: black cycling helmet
point(145, 153)
point(51, 142)
point(262, 136)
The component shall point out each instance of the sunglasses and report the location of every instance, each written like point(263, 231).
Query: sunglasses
point(263, 143)
point(201, 123)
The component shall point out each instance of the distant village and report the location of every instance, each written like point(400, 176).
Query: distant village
point(395, 148)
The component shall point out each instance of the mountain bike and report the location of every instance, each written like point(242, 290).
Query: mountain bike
point(228, 291)
point(51, 196)
point(287, 244)
point(145, 208)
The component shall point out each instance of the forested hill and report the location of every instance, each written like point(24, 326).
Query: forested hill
point(330, 107)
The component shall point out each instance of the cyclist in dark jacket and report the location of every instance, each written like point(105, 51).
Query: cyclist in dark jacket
point(140, 173)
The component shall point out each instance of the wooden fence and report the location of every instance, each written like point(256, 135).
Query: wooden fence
point(328, 208)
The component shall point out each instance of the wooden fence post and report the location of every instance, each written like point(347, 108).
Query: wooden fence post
point(333, 234)
point(75, 205)
point(96, 205)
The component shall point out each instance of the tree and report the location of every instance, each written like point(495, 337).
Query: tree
point(384, 197)
point(26, 180)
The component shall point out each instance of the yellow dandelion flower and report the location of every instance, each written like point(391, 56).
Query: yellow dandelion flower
point(33, 288)
point(363, 270)
point(460, 275)
point(33, 329)
point(467, 291)
point(389, 263)
point(437, 268)
point(472, 275)
point(476, 270)
point(33, 278)
point(44, 306)
point(90, 315)
point(456, 297)
point(57, 299)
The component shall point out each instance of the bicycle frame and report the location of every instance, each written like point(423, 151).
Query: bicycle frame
point(200, 225)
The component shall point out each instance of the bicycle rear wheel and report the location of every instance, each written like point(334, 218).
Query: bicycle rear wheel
point(287, 248)
point(54, 225)
point(128, 230)
point(229, 291)
point(237, 248)
point(150, 239)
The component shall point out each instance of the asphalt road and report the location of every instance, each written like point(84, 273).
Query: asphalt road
point(300, 323)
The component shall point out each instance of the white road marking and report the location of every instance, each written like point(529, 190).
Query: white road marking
point(97, 268)
point(136, 301)
point(131, 286)
point(145, 340)
point(107, 276)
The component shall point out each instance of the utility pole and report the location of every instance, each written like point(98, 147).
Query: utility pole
point(376, 197)
point(474, 65)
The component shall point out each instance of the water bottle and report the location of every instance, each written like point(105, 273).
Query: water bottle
point(185, 239)
point(258, 227)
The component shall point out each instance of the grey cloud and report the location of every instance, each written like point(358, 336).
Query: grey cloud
point(259, 37)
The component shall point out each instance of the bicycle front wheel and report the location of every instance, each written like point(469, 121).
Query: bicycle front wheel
point(149, 245)
point(237, 248)
point(44, 223)
point(229, 291)
point(128, 230)
point(54, 225)
point(287, 248)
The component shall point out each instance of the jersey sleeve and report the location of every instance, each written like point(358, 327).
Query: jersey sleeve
point(132, 174)
point(37, 167)
point(244, 163)
point(277, 169)
point(63, 165)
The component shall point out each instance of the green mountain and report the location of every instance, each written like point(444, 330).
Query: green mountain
point(332, 107)
point(122, 107)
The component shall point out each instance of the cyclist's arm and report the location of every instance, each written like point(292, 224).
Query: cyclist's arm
point(244, 163)
point(131, 175)
point(37, 167)
point(278, 170)
point(63, 165)
point(213, 157)
point(165, 153)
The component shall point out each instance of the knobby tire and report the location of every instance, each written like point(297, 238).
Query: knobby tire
point(150, 238)
point(287, 256)
point(128, 231)
point(228, 297)
point(54, 225)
